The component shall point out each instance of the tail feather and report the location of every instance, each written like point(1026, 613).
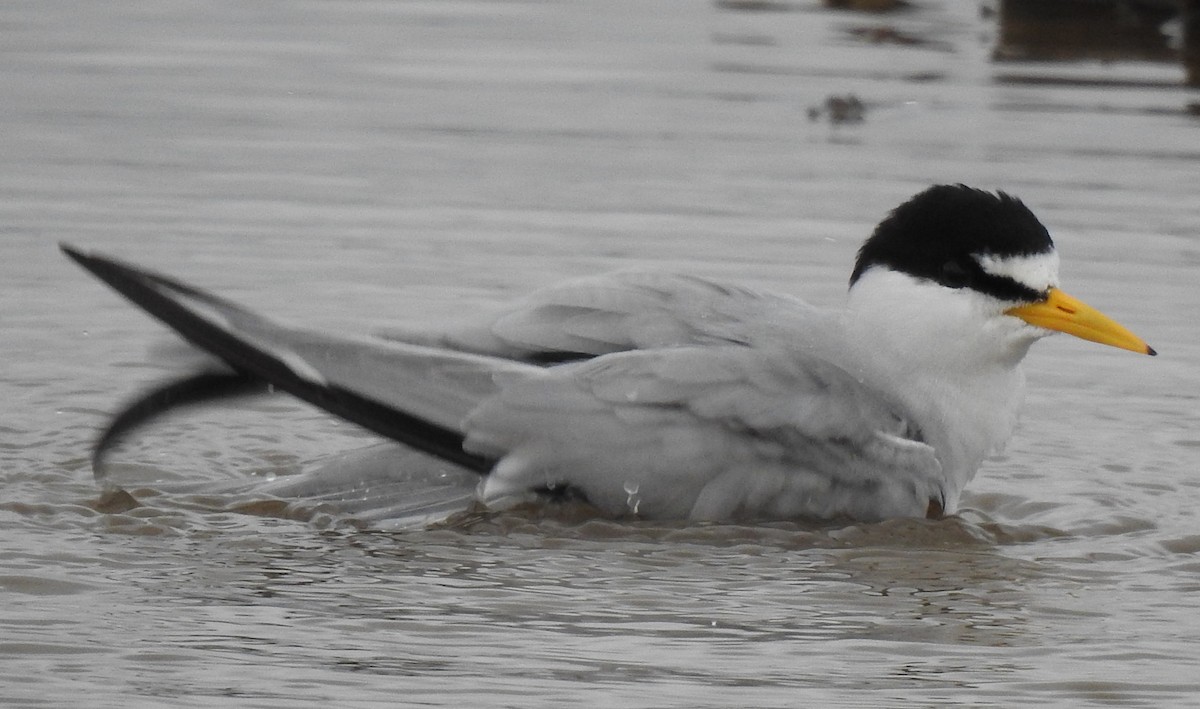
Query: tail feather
point(415, 395)
point(192, 389)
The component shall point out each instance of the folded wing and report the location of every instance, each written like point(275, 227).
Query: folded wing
point(706, 433)
point(616, 312)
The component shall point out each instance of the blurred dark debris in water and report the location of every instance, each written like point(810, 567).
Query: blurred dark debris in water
point(1026, 32)
point(1162, 31)
point(749, 69)
point(876, 6)
point(1078, 82)
point(839, 110)
point(889, 35)
point(1074, 30)
point(757, 5)
point(1189, 32)
point(872, 6)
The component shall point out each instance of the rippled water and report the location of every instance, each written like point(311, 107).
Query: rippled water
point(354, 164)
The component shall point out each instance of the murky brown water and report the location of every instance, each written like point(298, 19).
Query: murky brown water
point(353, 164)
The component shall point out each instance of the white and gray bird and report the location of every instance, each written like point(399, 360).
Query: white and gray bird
point(676, 397)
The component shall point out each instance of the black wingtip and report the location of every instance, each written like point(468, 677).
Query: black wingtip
point(164, 299)
point(105, 269)
point(76, 255)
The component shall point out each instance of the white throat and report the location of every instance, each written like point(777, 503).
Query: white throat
point(950, 359)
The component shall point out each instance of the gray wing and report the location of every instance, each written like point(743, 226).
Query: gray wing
point(412, 394)
point(627, 310)
point(707, 433)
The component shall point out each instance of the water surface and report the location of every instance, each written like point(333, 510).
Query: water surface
point(359, 163)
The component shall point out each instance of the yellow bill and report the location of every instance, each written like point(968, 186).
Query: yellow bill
point(1064, 313)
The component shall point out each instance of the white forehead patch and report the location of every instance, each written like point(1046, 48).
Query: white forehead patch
point(1039, 271)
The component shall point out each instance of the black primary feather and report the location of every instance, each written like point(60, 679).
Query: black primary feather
point(159, 295)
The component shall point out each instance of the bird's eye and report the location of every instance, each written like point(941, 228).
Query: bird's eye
point(954, 275)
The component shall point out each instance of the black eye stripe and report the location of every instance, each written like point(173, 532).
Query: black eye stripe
point(1005, 288)
point(958, 275)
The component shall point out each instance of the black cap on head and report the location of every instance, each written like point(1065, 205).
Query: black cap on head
point(937, 234)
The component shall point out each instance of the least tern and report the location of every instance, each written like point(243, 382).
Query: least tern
point(668, 396)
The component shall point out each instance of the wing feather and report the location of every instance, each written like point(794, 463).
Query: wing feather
point(683, 425)
point(616, 312)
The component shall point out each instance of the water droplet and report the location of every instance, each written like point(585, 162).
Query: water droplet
point(269, 476)
point(633, 502)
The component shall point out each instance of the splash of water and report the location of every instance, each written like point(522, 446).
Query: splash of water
point(633, 501)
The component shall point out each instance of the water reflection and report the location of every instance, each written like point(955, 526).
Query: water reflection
point(1162, 31)
point(388, 160)
point(1076, 30)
